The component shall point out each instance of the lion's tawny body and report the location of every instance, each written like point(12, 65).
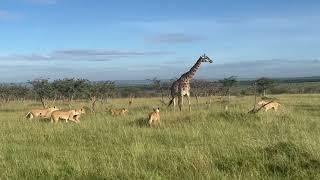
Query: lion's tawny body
point(72, 115)
point(154, 117)
point(272, 105)
point(41, 113)
point(119, 112)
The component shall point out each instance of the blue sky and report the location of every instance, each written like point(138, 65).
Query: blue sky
point(114, 40)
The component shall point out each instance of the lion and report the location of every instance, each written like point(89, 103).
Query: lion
point(119, 112)
point(154, 117)
point(269, 105)
point(77, 117)
point(72, 115)
point(41, 113)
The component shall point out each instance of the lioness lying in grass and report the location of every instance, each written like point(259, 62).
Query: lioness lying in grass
point(272, 105)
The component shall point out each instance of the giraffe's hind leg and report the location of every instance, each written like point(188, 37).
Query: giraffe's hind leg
point(174, 104)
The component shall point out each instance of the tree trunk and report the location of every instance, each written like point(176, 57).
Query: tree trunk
point(1, 102)
point(8, 100)
point(255, 95)
point(53, 101)
point(102, 101)
point(197, 98)
point(70, 101)
point(264, 93)
point(93, 103)
point(209, 102)
point(255, 98)
point(44, 104)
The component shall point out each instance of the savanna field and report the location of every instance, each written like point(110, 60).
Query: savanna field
point(208, 143)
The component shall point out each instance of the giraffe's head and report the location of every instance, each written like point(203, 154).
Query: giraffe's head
point(205, 58)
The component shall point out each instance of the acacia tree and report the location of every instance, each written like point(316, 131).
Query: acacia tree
point(158, 86)
point(199, 86)
point(43, 90)
point(263, 84)
point(64, 88)
point(212, 88)
point(227, 83)
point(18, 92)
point(4, 93)
point(69, 88)
point(253, 87)
point(99, 90)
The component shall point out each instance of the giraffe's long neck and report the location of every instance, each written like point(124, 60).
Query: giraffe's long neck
point(193, 70)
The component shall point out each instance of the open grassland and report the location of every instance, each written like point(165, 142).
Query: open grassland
point(207, 143)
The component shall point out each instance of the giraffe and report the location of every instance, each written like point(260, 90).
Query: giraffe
point(181, 87)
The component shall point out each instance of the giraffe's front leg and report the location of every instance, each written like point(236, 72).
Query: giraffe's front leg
point(180, 102)
point(189, 103)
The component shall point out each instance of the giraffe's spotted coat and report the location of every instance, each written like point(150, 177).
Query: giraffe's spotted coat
point(181, 87)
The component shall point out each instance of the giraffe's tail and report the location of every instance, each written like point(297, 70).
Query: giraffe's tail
point(171, 101)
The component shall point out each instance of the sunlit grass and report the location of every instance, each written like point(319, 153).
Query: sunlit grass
point(207, 143)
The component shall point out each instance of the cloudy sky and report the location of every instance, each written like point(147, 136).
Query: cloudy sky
point(140, 39)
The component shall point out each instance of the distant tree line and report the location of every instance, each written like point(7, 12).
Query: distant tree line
point(70, 89)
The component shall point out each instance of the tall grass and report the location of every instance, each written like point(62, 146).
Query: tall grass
point(207, 143)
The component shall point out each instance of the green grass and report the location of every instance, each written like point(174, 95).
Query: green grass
point(208, 143)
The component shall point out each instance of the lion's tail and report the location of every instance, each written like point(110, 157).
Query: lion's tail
point(28, 115)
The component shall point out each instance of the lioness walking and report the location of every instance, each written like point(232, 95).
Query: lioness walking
point(118, 112)
point(43, 113)
point(154, 117)
point(72, 115)
point(271, 105)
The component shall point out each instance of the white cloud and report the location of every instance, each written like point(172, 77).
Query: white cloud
point(84, 55)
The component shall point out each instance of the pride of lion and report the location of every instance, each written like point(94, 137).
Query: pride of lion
point(55, 114)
